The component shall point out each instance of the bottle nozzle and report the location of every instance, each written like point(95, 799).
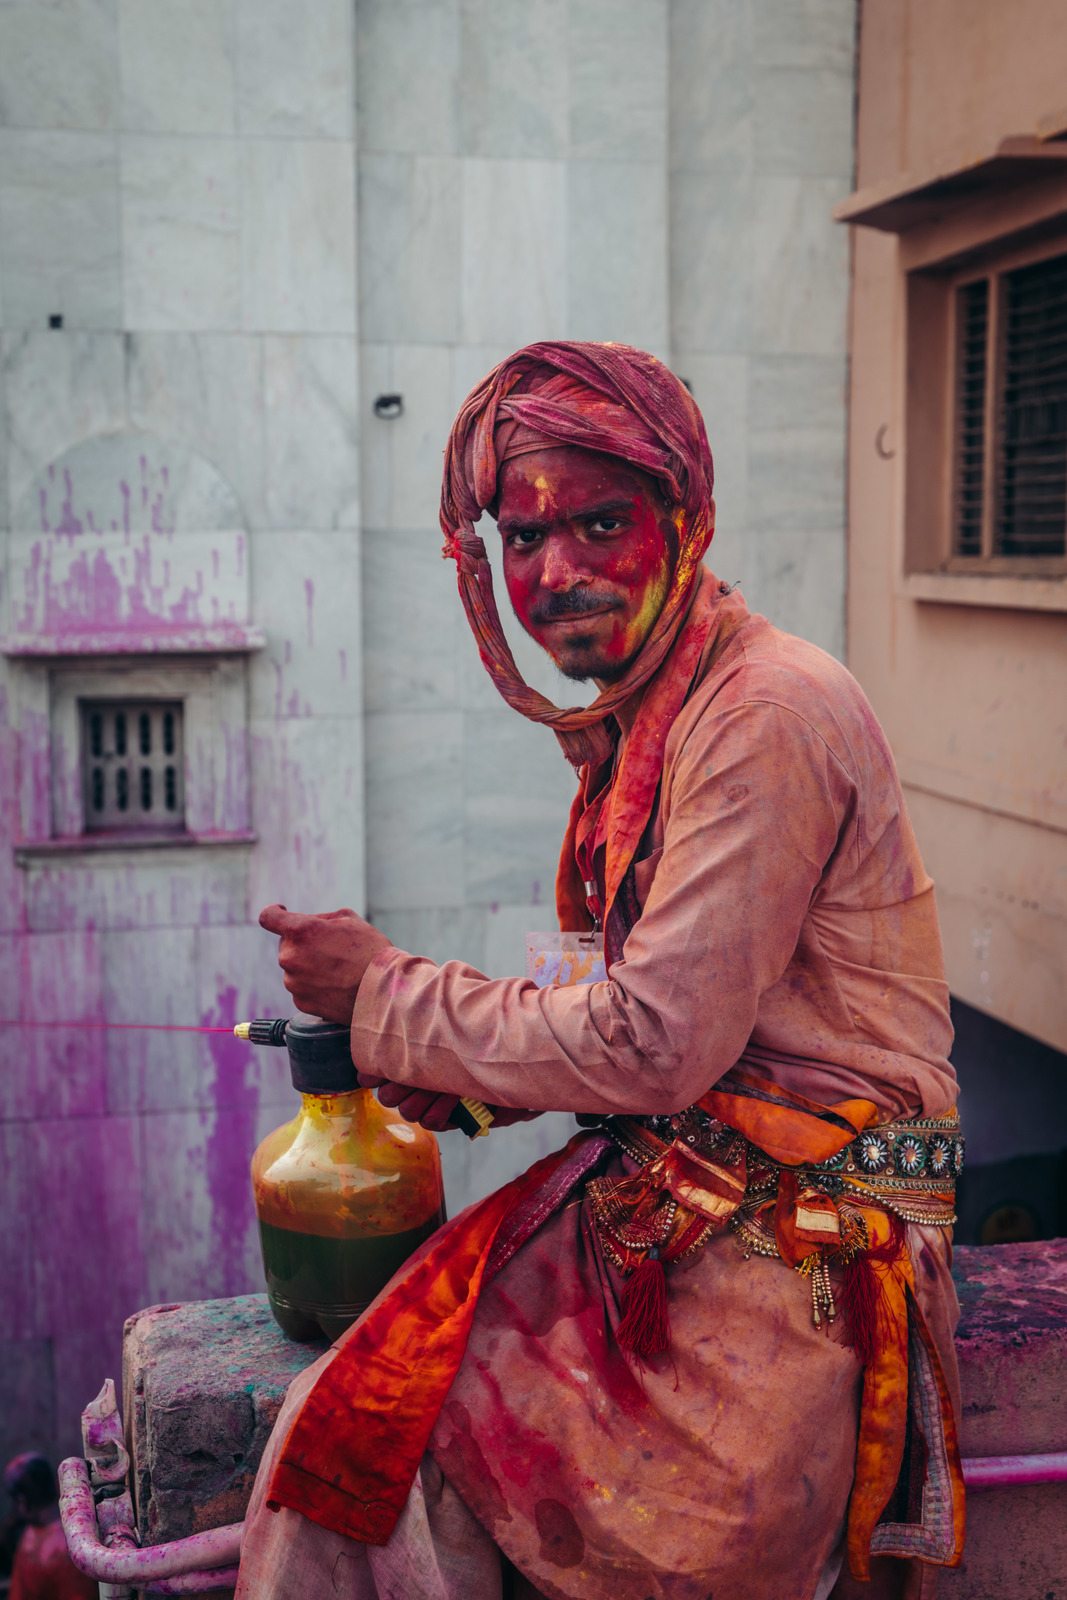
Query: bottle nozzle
point(264, 1030)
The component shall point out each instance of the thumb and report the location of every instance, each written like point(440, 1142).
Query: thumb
point(276, 919)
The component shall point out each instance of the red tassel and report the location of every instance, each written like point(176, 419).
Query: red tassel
point(645, 1327)
point(863, 1295)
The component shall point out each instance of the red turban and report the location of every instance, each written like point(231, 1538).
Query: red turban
point(607, 397)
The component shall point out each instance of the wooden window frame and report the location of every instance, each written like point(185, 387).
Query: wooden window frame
point(931, 489)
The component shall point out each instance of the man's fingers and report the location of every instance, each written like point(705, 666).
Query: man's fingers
point(333, 916)
point(416, 1104)
point(439, 1116)
point(367, 1080)
point(276, 919)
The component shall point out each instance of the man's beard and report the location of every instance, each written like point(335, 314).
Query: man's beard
point(576, 603)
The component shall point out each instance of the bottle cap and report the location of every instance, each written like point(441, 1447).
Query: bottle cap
point(320, 1057)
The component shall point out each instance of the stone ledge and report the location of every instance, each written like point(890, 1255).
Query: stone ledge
point(204, 1383)
point(1012, 1347)
point(202, 1386)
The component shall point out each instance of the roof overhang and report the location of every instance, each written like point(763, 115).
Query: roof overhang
point(900, 204)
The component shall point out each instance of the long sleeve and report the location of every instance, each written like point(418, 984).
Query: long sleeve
point(757, 802)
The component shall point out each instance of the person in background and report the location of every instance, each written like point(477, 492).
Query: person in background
point(42, 1568)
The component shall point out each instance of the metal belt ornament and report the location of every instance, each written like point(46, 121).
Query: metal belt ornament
point(699, 1175)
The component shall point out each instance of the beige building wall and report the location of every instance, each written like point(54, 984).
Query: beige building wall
point(972, 694)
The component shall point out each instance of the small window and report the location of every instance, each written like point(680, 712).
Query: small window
point(132, 766)
point(1010, 434)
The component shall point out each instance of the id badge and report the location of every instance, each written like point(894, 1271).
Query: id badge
point(564, 960)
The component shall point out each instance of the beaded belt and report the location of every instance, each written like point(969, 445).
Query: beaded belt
point(906, 1168)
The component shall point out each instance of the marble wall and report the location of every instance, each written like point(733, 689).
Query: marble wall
point(760, 152)
point(226, 227)
point(177, 189)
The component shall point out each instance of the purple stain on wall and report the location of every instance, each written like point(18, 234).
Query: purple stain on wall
point(229, 1146)
point(68, 522)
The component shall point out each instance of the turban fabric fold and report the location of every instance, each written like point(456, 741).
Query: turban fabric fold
point(605, 397)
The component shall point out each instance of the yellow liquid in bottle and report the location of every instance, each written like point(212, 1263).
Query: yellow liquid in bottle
point(344, 1193)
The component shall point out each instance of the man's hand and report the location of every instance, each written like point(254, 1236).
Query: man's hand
point(430, 1109)
point(323, 957)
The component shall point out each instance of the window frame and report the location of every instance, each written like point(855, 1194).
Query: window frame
point(994, 270)
point(934, 262)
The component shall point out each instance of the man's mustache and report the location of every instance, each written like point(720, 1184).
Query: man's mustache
point(573, 603)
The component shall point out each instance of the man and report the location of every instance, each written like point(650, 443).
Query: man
point(708, 1346)
point(42, 1568)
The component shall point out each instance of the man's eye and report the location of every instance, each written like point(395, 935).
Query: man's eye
point(605, 525)
point(525, 536)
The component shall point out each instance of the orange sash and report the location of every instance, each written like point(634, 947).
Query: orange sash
point(352, 1454)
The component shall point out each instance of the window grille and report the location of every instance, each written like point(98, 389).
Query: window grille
point(132, 765)
point(972, 311)
point(1032, 513)
point(1011, 454)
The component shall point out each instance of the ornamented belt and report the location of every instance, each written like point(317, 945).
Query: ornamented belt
point(699, 1175)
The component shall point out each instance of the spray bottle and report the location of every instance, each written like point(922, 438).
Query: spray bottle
point(346, 1191)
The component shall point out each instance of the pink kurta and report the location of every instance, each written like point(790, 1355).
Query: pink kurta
point(784, 908)
point(786, 919)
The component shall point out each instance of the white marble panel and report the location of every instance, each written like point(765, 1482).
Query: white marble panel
point(181, 227)
point(59, 229)
point(56, 1071)
point(797, 392)
point(405, 454)
point(473, 1168)
point(308, 812)
point(165, 887)
point(116, 583)
point(312, 434)
point(294, 68)
point(798, 581)
point(799, 267)
point(797, 477)
point(375, 435)
point(178, 66)
point(409, 230)
point(407, 76)
point(205, 390)
point(150, 976)
point(197, 1202)
point(413, 623)
point(617, 253)
point(802, 121)
point(518, 789)
point(238, 976)
point(58, 389)
point(617, 58)
point(513, 251)
point(58, 64)
point(299, 240)
point(440, 933)
point(414, 809)
point(513, 95)
point(710, 84)
point(506, 927)
point(720, 386)
point(127, 483)
point(804, 33)
point(470, 364)
point(306, 596)
point(711, 262)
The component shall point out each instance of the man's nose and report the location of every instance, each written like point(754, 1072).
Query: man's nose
point(561, 569)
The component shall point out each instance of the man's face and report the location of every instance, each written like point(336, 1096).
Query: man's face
point(589, 548)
